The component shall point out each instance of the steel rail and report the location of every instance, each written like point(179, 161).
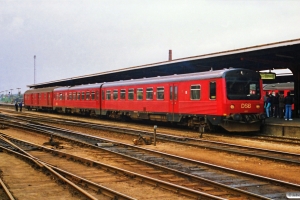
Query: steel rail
point(178, 189)
point(264, 178)
point(208, 144)
point(6, 190)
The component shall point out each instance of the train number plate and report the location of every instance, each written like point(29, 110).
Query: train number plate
point(246, 105)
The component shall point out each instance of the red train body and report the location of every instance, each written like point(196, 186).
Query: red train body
point(230, 98)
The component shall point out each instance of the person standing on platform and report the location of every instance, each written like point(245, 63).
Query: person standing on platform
point(16, 106)
point(276, 105)
point(20, 105)
point(288, 100)
point(272, 105)
point(268, 105)
point(281, 106)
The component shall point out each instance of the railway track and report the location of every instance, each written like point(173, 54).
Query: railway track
point(273, 155)
point(53, 119)
point(23, 177)
point(105, 179)
point(267, 188)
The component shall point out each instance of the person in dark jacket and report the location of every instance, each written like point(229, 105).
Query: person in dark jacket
point(276, 105)
point(20, 106)
point(281, 106)
point(16, 106)
point(272, 105)
point(288, 101)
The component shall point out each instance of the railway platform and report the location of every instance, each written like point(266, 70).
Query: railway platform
point(282, 127)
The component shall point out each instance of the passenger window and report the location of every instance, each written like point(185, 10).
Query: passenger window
point(160, 93)
point(140, 94)
point(122, 94)
point(82, 96)
point(212, 90)
point(171, 92)
point(195, 92)
point(108, 95)
point(149, 93)
point(115, 95)
point(93, 96)
point(74, 95)
point(130, 94)
point(78, 95)
point(87, 96)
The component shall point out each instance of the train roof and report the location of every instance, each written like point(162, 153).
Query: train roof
point(279, 86)
point(89, 86)
point(40, 90)
point(176, 78)
point(61, 89)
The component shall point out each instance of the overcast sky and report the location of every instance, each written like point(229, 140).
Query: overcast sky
point(74, 38)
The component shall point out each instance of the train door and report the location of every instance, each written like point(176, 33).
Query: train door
point(173, 103)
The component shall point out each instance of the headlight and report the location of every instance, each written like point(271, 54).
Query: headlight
point(232, 106)
point(258, 106)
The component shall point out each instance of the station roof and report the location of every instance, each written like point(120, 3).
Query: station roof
point(279, 55)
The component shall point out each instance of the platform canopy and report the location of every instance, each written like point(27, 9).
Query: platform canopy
point(280, 55)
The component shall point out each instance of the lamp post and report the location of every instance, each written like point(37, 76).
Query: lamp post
point(34, 57)
point(19, 94)
point(11, 96)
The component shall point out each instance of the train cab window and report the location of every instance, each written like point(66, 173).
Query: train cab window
point(160, 93)
point(149, 93)
point(243, 85)
point(212, 90)
point(82, 96)
point(108, 95)
point(87, 96)
point(195, 92)
point(74, 95)
point(115, 95)
point(139, 94)
point(122, 94)
point(92, 95)
point(130, 94)
point(78, 95)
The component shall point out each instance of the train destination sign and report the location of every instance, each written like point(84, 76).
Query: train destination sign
point(268, 75)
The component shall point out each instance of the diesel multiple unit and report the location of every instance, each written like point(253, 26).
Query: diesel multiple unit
point(229, 98)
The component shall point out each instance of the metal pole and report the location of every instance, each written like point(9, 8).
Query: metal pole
point(34, 66)
point(19, 94)
point(154, 136)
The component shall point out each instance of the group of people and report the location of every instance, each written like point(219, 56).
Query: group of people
point(18, 105)
point(279, 106)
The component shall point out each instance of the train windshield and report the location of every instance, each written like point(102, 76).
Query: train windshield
point(243, 85)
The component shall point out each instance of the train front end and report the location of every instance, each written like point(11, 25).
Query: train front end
point(244, 106)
